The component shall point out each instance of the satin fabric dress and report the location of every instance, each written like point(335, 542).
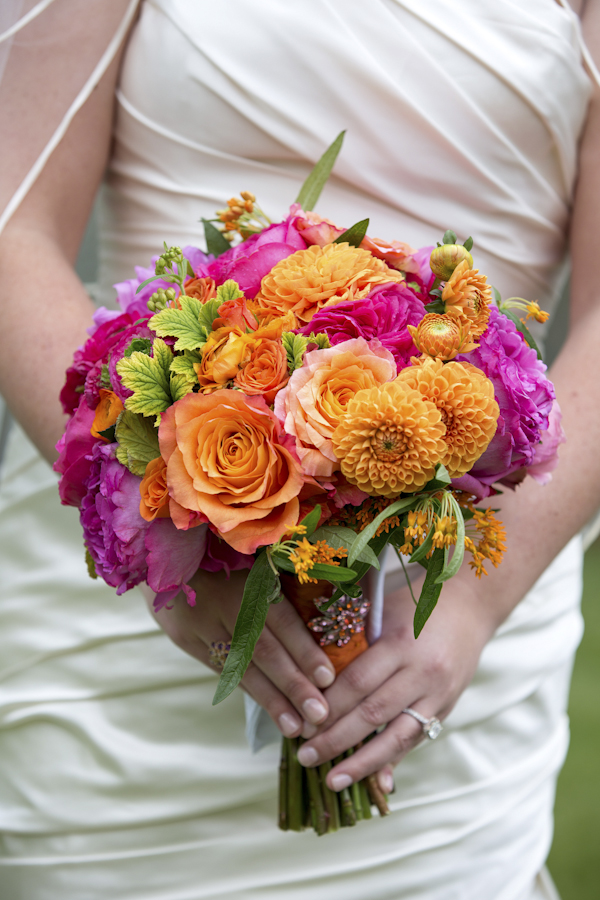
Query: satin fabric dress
point(118, 778)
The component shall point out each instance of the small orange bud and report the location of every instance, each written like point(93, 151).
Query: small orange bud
point(107, 412)
point(444, 259)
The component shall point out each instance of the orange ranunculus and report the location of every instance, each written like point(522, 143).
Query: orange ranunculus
point(235, 313)
point(154, 493)
point(225, 461)
point(108, 411)
point(317, 394)
point(396, 254)
point(203, 289)
point(266, 372)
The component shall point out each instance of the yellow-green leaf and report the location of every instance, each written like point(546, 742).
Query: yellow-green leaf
point(138, 441)
point(148, 378)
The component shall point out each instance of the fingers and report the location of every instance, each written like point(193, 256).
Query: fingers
point(287, 626)
point(371, 714)
point(275, 662)
point(379, 754)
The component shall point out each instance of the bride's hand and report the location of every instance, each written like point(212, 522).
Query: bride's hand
point(428, 674)
point(287, 668)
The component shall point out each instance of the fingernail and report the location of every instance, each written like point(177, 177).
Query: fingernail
point(307, 756)
point(323, 676)
point(386, 782)
point(288, 724)
point(339, 782)
point(308, 730)
point(314, 710)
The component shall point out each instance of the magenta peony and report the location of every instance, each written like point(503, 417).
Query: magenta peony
point(248, 262)
point(523, 392)
point(383, 315)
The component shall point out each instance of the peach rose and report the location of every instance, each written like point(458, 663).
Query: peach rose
point(154, 493)
point(226, 460)
point(266, 372)
point(316, 396)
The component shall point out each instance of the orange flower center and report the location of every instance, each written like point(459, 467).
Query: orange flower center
point(388, 444)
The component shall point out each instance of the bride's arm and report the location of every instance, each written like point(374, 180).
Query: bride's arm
point(431, 673)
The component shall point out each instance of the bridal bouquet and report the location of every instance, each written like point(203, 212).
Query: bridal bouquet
point(290, 402)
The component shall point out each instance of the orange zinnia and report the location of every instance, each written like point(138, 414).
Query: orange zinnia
point(465, 398)
point(390, 440)
point(308, 279)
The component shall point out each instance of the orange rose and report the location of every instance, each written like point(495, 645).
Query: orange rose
point(202, 289)
point(225, 461)
point(222, 355)
point(107, 412)
point(154, 492)
point(315, 399)
point(266, 372)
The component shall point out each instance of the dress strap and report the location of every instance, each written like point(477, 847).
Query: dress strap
point(585, 53)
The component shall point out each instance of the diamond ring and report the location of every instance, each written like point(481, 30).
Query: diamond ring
point(431, 727)
point(218, 652)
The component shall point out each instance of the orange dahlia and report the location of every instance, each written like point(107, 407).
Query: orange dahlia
point(465, 399)
point(308, 279)
point(442, 336)
point(390, 440)
point(468, 296)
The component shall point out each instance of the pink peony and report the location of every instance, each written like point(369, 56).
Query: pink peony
point(545, 458)
point(75, 448)
point(382, 315)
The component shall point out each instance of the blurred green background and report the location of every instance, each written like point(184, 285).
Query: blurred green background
point(575, 857)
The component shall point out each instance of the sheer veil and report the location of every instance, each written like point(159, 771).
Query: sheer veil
point(71, 43)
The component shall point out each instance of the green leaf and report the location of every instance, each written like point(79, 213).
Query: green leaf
point(437, 306)
point(321, 340)
point(441, 480)
point(468, 244)
point(148, 378)
point(208, 314)
point(216, 242)
point(229, 290)
point(523, 329)
point(91, 566)
point(180, 386)
point(141, 345)
point(105, 378)
point(295, 346)
point(367, 533)
point(497, 295)
point(311, 520)
point(261, 589)
point(332, 573)
point(109, 434)
point(354, 235)
point(449, 237)
point(184, 365)
point(138, 441)
point(337, 536)
point(314, 184)
point(183, 324)
point(430, 591)
point(451, 568)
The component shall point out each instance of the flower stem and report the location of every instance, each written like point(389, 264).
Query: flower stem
point(319, 820)
point(365, 801)
point(294, 788)
point(330, 798)
point(283, 778)
point(377, 796)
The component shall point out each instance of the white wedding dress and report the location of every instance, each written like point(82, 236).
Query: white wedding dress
point(117, 778)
